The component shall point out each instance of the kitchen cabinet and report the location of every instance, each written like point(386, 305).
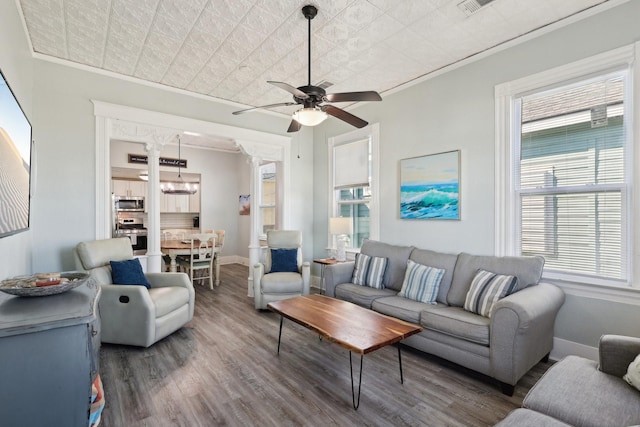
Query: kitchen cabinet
point(177, 203)
point(127, 188)
point(194, 202)
point(49, 357)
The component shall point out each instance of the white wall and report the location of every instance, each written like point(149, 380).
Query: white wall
point(455, 110)
point(16, 65)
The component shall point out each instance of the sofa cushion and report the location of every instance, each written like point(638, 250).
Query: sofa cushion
point(447, 262)
point(397, 260)
point(528, 270)
point(284, 260)
point(375, 275)
point(486, 289)
point(633, 373)
point(360, 267)
point(577, 393)
point(457, 322)
point(168, 298)
point(128, 272)
point(421, 282)
point(281, 283)
point(526, 418)
point(361, 295)
point(400, 308)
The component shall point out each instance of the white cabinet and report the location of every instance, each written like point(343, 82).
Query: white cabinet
point(177, 203)
point(126, 188)
point(194, 202)
point(174, 203)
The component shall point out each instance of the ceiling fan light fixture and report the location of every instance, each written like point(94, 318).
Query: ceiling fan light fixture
point(310, 116)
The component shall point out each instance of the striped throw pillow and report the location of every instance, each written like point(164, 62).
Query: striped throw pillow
point(421, 282)
point(377, 266)
point(360, 269)
point(487, 288)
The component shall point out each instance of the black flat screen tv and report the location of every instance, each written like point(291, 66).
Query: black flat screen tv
point(15, 163)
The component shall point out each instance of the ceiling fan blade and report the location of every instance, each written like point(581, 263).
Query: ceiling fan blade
point(292, 90)
point(369, 95)
point(294, 126)
point(279, 104)
point(339, 113)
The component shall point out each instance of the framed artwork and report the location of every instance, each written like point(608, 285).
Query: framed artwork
point(430, 186)
point(245, 204)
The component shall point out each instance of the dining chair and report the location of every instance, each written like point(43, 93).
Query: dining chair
point(201, 257)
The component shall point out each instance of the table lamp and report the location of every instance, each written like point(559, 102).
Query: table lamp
point(342, 228)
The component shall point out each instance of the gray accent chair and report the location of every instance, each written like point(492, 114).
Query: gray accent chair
point(131, 314)
point(505, 346)
point(580, 392)
point(269, 287)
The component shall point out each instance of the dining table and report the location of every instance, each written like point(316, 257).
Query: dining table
point(173, 248)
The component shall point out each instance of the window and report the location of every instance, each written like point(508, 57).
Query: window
point(564, 170)
point(353, 172)
point(268, 197)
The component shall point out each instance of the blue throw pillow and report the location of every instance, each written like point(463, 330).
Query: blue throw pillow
point(128, 272)
point(284, 260)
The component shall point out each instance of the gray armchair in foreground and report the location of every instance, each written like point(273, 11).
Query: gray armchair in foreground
point(132, 314)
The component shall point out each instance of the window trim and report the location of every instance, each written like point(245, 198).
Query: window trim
point(262, 235)
point(371, 131)
point(506, 214)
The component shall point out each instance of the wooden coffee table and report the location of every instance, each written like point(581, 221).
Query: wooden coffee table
point(355, 328)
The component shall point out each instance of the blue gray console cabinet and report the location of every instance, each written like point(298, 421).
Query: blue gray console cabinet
point(48, 357)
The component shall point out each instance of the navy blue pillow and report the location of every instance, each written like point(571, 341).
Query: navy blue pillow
point(284, 260)
point(128, 272)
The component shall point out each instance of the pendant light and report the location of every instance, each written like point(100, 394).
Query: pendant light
point(179, 186)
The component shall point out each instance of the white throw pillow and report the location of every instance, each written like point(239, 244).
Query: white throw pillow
point(633, 373)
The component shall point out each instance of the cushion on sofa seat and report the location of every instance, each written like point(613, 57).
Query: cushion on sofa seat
point(397, 257)
point(525, 418)
point(281, 283)
point(447, 262)
point(457, 322)
point(169, 298)
point(361, 295)
point(527, 269)
point(400, 308)
point(576, 392)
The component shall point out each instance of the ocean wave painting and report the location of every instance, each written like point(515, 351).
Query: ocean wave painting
point(429, 186)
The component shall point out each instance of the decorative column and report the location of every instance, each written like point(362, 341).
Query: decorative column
point(154, 254)
point(254, 243)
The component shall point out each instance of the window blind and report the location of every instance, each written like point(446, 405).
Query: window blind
point(351, 164)
point(571, 178)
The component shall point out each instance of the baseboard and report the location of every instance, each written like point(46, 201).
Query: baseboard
point(234, 259)
point(562, 348)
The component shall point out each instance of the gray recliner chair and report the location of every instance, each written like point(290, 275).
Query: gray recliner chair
point(132, 314)
point(271, 286)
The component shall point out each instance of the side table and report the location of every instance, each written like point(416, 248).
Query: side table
point(323, 263)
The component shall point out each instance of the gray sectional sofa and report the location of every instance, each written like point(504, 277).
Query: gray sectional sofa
point(505, 346)
point(582, 393)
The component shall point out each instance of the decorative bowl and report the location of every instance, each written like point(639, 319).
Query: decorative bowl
point(25, 286)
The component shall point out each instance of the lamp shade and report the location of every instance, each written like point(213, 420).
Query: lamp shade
point(340, 225)
point(309, 116)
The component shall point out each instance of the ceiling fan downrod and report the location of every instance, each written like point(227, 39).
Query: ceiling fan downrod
point(309, 11)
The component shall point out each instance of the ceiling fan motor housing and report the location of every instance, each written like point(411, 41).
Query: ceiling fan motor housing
point(309, 11)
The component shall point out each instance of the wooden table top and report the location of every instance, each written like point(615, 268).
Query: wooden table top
point(179, 244)
point(326, 261)
point(356, 328)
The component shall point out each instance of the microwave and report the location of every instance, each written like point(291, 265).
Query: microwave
point(129, 204)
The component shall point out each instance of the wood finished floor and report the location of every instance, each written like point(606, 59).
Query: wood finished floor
point(222, 369)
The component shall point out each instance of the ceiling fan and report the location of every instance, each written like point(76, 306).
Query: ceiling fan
point(314, 98)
